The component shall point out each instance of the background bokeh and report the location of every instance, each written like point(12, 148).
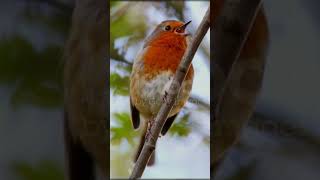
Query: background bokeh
point(185, 151)
point(282, 140)
point(32, 36)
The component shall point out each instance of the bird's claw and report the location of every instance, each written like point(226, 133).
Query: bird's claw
point(148, 133)
point(165, 97)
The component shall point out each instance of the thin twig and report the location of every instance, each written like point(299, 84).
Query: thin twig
point(121, 60)
point(117, 12)
point(162, 115)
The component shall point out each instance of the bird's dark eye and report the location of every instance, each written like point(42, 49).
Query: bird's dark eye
point(167, 28)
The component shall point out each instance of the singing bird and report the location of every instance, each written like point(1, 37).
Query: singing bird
point(153, 70)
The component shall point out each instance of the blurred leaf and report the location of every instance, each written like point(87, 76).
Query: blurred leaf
point(177, 6)
point(47, 170)
point(114, 3)
point(127, 68)
point(131, 24)
point(128, 25)
point(119, 84)
point(120, 163)
point(36, 76)
point(124, 130)
point(181, 127)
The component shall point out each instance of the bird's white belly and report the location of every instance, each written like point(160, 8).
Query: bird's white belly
point(151, 93)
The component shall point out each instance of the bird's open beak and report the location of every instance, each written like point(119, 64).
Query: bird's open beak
point(184, 26)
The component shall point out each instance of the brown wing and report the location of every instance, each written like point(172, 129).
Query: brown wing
point(168, 124)
point(135, 116)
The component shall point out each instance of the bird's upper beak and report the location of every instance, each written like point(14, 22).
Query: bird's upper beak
point(184, 26)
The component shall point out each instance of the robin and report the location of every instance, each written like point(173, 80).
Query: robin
point(153, 70)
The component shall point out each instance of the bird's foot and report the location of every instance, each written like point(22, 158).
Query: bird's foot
point(164, 99)
point(148, 133)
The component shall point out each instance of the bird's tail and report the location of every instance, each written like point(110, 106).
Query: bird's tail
point(141, 143)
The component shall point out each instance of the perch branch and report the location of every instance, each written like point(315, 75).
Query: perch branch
point(162, 115)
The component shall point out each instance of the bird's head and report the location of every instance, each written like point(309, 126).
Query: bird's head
point(168, 32)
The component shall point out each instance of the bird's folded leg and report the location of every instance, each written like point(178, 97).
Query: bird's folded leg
point(148, 133)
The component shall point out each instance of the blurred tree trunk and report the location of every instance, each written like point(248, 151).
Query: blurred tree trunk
point(240, 39)
point(85, 88)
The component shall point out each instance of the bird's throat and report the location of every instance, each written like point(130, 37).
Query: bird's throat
point(162, 59)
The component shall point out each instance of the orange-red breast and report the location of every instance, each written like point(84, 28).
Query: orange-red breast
point(152, 73)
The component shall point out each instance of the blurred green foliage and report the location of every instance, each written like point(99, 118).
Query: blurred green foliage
point(114, 3)
point(35, 75)
point(120, 163)
point(119, 84)
point(131, 24)
point(32, 69)
point(126, 67)
point(44, 170)
point(181, 127)
point(124, 129)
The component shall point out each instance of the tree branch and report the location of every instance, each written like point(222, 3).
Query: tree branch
point(236, 81)
point(196, 100)
point(121, 60)
point(274, 124)
point(162, 115)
